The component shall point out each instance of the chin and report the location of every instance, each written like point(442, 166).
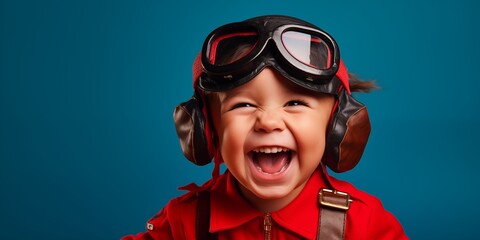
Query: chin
point(273, 192)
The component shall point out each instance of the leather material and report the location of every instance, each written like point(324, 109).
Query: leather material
point(268, 51)
point(190, 127)
point(355, 140)
point(348, 134)
point(332, 220)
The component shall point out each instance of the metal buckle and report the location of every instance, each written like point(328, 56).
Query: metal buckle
point(150, 226)
point(343, 196)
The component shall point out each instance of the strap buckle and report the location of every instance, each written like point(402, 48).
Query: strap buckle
point(334, 199)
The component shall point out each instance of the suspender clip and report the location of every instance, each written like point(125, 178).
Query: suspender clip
point(334, 199)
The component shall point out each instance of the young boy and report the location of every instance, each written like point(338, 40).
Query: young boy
point(273, 102)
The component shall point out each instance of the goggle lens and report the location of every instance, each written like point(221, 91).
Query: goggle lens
point(230, 48)
point(308, 49)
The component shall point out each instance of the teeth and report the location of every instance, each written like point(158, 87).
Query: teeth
point(271, 150)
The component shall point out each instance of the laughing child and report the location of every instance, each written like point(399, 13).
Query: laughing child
point(272, 100)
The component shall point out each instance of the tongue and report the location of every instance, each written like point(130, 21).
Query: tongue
point(271, 162)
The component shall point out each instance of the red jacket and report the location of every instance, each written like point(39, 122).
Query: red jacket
point(234, 218)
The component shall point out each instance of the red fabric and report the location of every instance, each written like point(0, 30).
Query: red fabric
point(342, 74)
point(234, 218)
point(197, 69)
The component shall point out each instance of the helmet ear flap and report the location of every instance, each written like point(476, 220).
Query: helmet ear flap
point(348, 134)
point(190, 126)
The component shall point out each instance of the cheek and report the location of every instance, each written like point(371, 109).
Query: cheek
point(316, 129)
point(232, 134)
point(310, 136)
point(313, 137)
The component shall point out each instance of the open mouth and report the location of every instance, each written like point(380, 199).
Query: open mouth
point(271, 160)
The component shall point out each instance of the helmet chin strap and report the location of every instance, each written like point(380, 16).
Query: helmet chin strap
point(217, 161)
point(192, 187)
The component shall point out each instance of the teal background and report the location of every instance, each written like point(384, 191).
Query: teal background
point(87, 89)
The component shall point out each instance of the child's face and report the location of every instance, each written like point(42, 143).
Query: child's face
point(271, 135)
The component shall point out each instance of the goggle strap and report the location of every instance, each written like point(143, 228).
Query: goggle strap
point(342, 73)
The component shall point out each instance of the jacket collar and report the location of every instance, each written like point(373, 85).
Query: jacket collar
point(230, 210)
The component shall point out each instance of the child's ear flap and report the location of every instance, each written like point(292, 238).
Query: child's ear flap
point(348, 134)
point(190, 127)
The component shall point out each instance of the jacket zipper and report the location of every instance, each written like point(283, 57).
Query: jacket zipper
point(267, 226)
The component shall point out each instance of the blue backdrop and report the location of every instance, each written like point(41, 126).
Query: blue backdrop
point(87, 90)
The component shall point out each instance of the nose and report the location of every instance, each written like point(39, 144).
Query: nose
point(269, 121)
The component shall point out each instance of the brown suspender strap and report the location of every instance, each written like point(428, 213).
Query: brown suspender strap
point(203, 217)
point(333, 212)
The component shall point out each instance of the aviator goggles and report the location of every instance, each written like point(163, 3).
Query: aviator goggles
point(235, 53)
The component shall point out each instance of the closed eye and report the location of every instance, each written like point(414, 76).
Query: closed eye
point(294, 103)
point(241, 105)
